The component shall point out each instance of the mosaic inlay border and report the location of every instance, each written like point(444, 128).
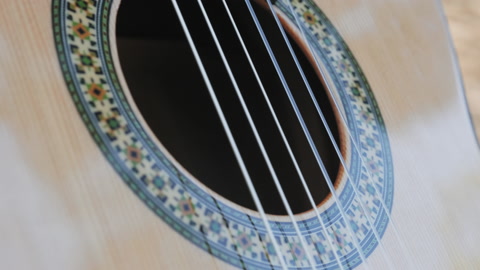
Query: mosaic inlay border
point(81, 32)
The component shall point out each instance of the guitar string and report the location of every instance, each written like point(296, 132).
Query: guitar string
point(230, 233)
point(329, 132)
point(319, 110)
point(282, 134)
point(354, 142)
point(217, 41)
point(308, 136)
point(257, 136)
point(229, 134)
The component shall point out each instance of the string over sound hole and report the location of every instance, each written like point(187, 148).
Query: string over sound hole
point(169, 91)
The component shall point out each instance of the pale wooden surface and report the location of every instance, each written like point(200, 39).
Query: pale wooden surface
point(63, 207)
point(404, 52)
point(464, 19)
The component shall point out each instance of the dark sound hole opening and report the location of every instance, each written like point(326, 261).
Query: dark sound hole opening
point(169, 91)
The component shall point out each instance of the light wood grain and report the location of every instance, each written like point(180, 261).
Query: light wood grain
point(405, 54)
point(464, 21)
point(63, 207)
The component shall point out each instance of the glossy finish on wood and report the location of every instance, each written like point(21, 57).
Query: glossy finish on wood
point(63, 207)
point(464, 21)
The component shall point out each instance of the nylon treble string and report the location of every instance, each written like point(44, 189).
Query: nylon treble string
point(229, 134)
point(354, 142)
point(307, 134)
point(265, 155)
point(284, 138)
point(329, 132)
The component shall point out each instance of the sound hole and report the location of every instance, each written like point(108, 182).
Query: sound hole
point(169, 91)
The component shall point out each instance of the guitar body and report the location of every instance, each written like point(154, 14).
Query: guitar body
point(64, 206)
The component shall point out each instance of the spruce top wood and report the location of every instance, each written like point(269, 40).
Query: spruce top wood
point(64, 206)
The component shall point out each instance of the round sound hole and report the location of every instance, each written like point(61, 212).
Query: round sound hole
point(183, 118)
point(169, 91)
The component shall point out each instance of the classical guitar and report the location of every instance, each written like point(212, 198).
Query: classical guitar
point(234, 134)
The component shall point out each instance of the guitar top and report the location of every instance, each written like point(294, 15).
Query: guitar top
point(88, 182)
